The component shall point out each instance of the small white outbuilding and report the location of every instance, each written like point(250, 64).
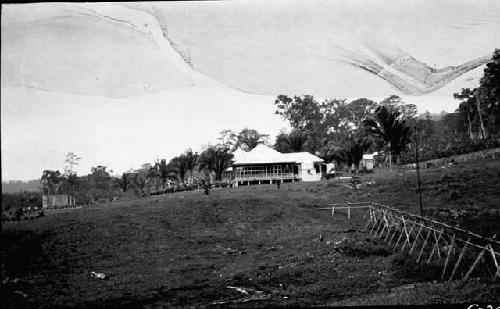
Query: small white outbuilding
point(367, 162)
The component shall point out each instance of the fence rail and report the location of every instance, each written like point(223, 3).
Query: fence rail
point(461, 253)
point(492, 153)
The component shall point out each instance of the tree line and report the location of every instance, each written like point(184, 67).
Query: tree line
point(334, 129)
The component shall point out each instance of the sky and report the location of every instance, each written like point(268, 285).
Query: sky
point(124, 84)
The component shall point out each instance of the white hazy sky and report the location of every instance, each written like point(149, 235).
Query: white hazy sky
point(110, 82)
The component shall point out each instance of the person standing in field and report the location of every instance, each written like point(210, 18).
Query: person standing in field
point(206, 185)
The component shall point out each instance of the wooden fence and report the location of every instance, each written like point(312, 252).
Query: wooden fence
point(459, 252)
point(493, 153)
point(58, 201)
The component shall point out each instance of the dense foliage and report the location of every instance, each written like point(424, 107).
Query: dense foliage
point(335, 129)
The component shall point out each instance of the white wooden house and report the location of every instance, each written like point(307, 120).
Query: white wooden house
point(265, 165)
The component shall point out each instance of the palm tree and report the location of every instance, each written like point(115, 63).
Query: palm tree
point(125, 182)
point(351, 151)
point(296, 141)
point(139, 182)
point(355, 148)
point(332, 152)
point(179, 166)
point(162, 171)
point(191, 161)
point(216, 159)
point(393, 130)
point(400, 137)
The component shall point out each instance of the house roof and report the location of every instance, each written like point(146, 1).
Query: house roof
point(263, 154)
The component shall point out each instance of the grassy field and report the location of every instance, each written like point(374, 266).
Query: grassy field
point(187, 249)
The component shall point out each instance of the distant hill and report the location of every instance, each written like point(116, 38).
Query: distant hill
point(14, 186)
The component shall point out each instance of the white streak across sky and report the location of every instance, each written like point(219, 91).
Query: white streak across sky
point(377, 56)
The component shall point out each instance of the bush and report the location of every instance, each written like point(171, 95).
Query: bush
point(20, 201)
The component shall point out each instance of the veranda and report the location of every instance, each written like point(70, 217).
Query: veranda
point(266, 173)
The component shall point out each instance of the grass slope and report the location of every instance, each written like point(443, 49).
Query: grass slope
point(185, 249)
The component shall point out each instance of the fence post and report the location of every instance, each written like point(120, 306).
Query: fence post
point(407, 240)
point(368, 223)
point(388, 222)
point(394, 234)
point(479, 257)
point(497, 274)
point(495, 262)
point(436, 245)
point(348, 210)
point(459, 259)
point(374, 224)
point(448, 256)
point(425, 243)
point(416, 239)
point(388, 232)
point(383, 224)
point(378, 228)
point(364, 216)
point(403, 230)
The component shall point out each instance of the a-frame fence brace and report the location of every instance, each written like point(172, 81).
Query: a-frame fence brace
point(461, 253)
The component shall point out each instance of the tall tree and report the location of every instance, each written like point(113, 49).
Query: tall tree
point(248, 139)
point(391, 128)
point(467, 107)
point(296, 141)
point(479, 96)
point(162, 171)
point(229, 139)
point(489, 91)
point(71, 160)
point(125, 181)
point(357, 111)
point(50, 181)
point(394, 102)
point(490, 82)
point(191, 161)
point(353, 149)
point(216, 159)
point(99, 179)
point(139, 182)
point(179, 166)
point(301, 112)
point(330, 120)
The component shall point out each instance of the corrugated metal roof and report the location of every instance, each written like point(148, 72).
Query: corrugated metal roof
point(263, 154)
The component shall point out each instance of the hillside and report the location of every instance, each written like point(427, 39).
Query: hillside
point(14, 186)
point(187, 249)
